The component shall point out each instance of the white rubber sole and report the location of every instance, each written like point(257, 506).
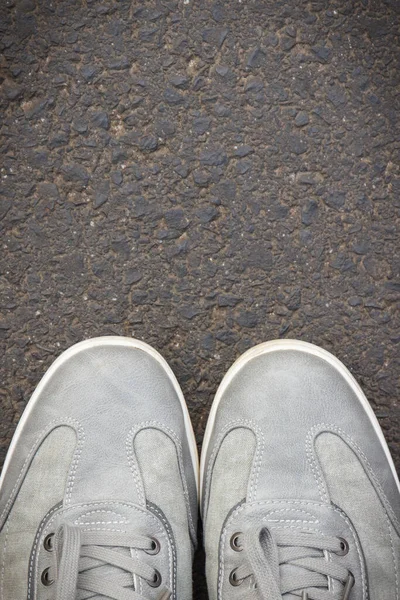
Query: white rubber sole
point(93, 343)
point(274, 346)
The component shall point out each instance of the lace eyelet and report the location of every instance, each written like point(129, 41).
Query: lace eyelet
point(344, 547)
point(234, 542)
point(233, 580)
point(48, 542)
point(46, 579)
point(155, 547)
point(156, 581)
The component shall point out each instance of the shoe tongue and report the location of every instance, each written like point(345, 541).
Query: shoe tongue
point(73, 560)
point(295, 517)
point(106, 519)
point(288, 571)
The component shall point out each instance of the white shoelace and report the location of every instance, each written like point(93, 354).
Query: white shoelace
point(79, 557)
point(266, 553)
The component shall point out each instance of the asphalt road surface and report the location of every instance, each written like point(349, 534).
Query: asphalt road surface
point(204, 176)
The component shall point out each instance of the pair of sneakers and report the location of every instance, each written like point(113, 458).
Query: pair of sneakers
point(100, 488)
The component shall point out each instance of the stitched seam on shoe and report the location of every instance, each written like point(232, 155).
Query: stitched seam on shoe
point(172, 556)
point(256, 467)
point(35, 545)
point(247, 424)
point(100, 523)
point(322, 489)
point(301, 528)
point(334, 429)
point(74, 465)
point(299, 510)
point(230, 426)
point(96, 512)
point(222, 547)
point(396, 575)
point(49, 427)
point(134, 468)
point(360, 557)
point(175, 438)
point(303, 502)
point(170, 433)
point(287, 521)
point(3, 566)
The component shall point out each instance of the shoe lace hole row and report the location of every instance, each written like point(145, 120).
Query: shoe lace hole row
point(48, 546)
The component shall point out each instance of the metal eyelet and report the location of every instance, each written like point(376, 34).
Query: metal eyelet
point(234, 542)
point(233, 580)
point(48, 542)
point(46, 579)
point(344, 547)
point(156, 581)
point(155, 547)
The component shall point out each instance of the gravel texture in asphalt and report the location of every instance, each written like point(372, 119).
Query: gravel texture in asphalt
point(204, 176)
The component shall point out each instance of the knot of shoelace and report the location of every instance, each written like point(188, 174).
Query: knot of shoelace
point(283, 562)
point(81, 557)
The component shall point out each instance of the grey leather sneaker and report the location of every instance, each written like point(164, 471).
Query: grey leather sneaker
point(300, 497)
point(98, 495)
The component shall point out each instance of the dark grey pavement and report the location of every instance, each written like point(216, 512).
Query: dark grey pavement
point(204, 176)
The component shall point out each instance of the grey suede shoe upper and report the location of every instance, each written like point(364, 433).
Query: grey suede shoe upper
point(98, 495)
point(299, 493)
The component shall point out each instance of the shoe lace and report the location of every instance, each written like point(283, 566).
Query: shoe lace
point(271, 556)
point(80, 557)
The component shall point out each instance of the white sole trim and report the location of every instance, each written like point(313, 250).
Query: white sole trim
point(93, 343)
